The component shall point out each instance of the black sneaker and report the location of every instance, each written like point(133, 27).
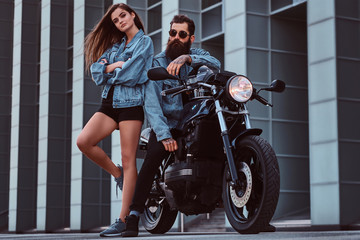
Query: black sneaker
point(132, 226)
point(269, 228)
point(114, 229)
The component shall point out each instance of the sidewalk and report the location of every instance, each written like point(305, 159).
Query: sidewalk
point(318, 235)
point(286, 229)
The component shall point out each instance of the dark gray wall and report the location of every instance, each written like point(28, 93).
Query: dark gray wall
point(6, 46)
point(28, 119)
point(348, 86)
point(96, 182)
point(277, 49)
point(59, 116)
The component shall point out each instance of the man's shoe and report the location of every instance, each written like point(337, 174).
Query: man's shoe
point(114, 229)
point(132, 226)
point(269, 228)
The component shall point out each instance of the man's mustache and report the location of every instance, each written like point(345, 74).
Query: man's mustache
point(176, 41)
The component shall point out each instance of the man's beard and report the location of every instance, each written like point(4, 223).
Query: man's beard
point(176, 48)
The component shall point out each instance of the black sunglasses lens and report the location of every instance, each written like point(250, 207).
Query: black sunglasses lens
point(183, 34)
point(172, 32)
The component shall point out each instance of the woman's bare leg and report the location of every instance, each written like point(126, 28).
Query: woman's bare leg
point(129, 140)
point(97, 128)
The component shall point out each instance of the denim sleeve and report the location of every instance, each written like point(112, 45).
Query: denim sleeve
point(134, 70)
point(97, 70)
point(153, 108)
point(201, 57)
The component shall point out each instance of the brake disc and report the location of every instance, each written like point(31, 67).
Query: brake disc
point(240, 201)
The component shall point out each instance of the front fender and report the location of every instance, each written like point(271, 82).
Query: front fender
point(246, 132)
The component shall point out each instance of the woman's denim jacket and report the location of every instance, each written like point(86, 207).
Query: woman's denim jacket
point(129, 80)
point(163, 112)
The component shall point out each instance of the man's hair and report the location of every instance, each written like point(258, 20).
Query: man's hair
point(183, 18)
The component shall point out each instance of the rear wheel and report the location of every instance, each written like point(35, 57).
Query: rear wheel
point(250, 206)
point(158, 218)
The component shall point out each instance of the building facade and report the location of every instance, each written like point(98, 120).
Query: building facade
point(46, 98)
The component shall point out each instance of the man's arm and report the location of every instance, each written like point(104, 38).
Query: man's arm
point(174, 67)
point(153, 109)
point(196, 58)
point(201, 57)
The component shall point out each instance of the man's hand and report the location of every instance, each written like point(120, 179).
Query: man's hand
point(175, 65)
point(170, 144)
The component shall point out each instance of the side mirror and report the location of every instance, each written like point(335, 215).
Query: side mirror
point(160, 73)
point(276, 86)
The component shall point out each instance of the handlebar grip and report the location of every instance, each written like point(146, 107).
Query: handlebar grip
point(172, 90)
point(262, 100)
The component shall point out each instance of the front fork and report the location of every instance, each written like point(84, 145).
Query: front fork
point(226, 140)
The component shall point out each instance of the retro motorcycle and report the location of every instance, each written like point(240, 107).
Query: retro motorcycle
point(221, 160)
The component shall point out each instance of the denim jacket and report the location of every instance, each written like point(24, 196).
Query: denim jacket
point(129, 80)
point(163, 112)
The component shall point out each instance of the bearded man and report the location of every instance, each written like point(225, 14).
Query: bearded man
point(163, 112)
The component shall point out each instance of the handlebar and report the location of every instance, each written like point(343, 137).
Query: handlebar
point(172, 90)
point(180, 89)
point(262, 100)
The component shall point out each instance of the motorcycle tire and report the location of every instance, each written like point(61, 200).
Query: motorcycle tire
point(250, 207)
point(159, 221)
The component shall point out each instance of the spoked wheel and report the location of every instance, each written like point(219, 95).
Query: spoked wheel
point(158, 218)
point(250, 206)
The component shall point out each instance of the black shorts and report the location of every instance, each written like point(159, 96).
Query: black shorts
point(123, 114)
point(120, 114)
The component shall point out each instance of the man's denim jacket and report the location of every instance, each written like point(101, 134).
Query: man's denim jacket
point(163, 112)
point(129, 80)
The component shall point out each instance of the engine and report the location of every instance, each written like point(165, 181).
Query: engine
point(195, 178)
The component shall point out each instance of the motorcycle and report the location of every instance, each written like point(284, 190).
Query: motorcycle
point(221, 160)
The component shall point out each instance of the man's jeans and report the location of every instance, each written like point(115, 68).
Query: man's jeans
point(154, 157)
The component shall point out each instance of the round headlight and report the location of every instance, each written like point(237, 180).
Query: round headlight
point(239, 88)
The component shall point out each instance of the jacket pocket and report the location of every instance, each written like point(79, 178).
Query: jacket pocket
point(128, 96)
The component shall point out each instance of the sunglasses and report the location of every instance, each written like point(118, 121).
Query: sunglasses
point(182, 34)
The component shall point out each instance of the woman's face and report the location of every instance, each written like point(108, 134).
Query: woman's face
point(122, 19)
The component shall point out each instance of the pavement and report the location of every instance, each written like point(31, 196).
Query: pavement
point(286, 229)
point(281, 235)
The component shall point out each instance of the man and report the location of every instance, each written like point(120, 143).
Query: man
point(163, 112)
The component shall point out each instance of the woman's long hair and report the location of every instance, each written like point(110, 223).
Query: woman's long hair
point(105, 34)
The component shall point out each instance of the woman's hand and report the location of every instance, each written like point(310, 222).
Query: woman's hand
point(111, 67)
point(170, 144)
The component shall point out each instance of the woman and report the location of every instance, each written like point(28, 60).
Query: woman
point(118, 55)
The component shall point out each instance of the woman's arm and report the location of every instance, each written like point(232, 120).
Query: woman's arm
point(111, 67)
point(134, 70)
point(98, 69)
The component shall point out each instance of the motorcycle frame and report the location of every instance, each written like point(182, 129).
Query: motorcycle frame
point(225, 134)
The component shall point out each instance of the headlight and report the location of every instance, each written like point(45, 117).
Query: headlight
point(239, 88)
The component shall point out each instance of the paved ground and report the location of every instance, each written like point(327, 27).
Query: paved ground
point(281, 235)
point(286, 229)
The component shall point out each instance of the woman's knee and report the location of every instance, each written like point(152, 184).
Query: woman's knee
point(82, 143)
point(128, 159)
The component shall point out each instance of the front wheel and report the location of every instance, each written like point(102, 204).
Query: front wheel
point(250, 206)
